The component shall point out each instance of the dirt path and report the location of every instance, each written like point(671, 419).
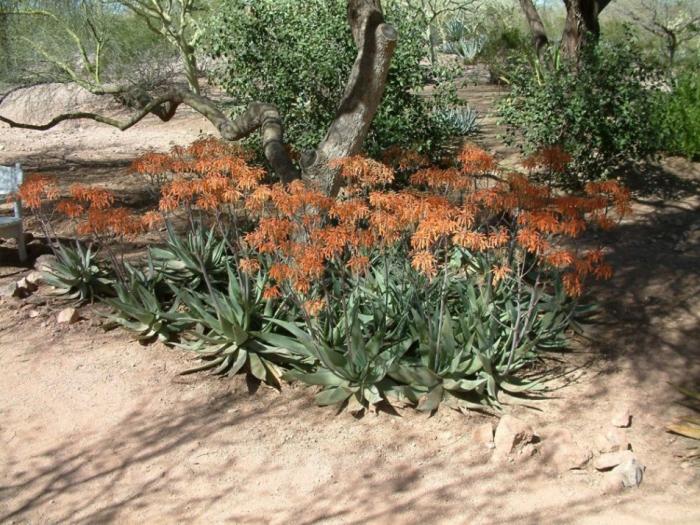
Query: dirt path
point(96, 428)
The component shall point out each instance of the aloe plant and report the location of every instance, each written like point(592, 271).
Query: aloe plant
point(353, 355)
point(140, 308)
point(185, 261)
point(76, 274)
point(229, 329)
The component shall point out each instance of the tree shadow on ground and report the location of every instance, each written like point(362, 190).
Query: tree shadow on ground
point(651, 308)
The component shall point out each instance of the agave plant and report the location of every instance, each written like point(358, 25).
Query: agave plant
point(76, 274)
point(229, 329)
point(139, 307)
point(461, 120)
point(188, 260)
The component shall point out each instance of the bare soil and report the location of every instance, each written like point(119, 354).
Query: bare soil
point(95, 428)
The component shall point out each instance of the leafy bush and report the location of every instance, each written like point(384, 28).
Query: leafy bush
point(602, 112)
point(681, 116)
point(298, 55)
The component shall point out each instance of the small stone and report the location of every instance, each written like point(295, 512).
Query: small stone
point(24, 283)
point(44, 262)
point(35, 278)
point(34, 313)
point(564, 452)
point(631, 472)
point(622, 417)
point(512, 434)
point(614, 440)
point(613, 483)
point(612, 459)
point(10, 290)
point(526, 452)
point(483, 435)
point(68, 316)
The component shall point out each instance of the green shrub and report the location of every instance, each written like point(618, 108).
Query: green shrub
point(602, 112)
point(681, 116)
point(298, 55)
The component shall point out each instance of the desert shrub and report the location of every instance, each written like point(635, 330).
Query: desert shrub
point(680, 116)
point(602, 111)
point(297, 55)
point(447, 290)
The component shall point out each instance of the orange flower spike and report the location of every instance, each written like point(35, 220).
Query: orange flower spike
point(37, 188)
point(358, 264)
point(70, 209)
point(499, 273)
point(560, 259)
point(366, 172)
point(471, 240)
point(425, 263)
point(280, 272)
point(249, 266)
point(603, 271)
point(476, 161)
point(314, 307)
point(271, 292)
point(152, 220)
point(572, 285)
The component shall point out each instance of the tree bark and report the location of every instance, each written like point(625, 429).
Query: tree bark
point(376, 42)
point(539, 35)
point(581, 26)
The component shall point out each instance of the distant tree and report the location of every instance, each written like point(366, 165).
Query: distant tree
point(676, 22)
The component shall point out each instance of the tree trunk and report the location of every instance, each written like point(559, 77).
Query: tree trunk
point(376, 42)
point(539, 35)
point(581, 26)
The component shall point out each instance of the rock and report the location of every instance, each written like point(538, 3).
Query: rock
point(565, 452)
point(614, 440)
point(24, 283)
point(10, 290)
point(68, 316)
point(621, 417)
point(35, 278)
point(512, 434)
point(483, 435)
point(44, 262)
point(631, 472)
point(613, 483)
point(34, 313)
point(612, 459)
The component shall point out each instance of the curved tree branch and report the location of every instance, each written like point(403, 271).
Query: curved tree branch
point(376, 42)
point(257, 116)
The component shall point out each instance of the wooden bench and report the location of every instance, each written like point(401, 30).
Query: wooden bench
point(10, 181)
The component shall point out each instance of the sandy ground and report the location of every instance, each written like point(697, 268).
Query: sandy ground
point(95, 428)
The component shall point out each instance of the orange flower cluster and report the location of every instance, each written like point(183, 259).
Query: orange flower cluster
point(198, 158)
point(37, 189)
point(92, 209)
point(358, 170)
point(404, 160)
point(476, 161)
point(552, 158)
point(304, 232)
